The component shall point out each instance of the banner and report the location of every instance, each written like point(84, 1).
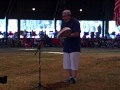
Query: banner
point(117, 12)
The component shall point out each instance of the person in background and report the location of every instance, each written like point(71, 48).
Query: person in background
point(71, 47)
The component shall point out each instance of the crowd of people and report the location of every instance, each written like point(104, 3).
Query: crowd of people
point(51, 42)
point(100, 42)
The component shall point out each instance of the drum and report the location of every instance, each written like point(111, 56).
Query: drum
point(64, 33)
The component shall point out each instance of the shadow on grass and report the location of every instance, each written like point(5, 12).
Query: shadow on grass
point(57, 85)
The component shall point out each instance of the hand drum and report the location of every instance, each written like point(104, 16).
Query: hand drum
point(65, 32)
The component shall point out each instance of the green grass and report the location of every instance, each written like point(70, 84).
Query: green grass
point(99, 69)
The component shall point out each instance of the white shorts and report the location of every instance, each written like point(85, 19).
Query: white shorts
point(71, 60)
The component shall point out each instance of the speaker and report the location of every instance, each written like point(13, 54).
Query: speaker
point(3, 80)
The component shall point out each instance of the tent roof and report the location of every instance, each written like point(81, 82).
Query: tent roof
point(49, 9)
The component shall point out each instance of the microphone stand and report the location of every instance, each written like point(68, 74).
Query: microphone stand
point(40, 86)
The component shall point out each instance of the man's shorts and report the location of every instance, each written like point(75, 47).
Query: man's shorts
point(71, 60)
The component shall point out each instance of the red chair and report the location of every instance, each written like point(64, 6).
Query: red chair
point(55, 42)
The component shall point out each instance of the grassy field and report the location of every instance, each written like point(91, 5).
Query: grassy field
point(99, 69)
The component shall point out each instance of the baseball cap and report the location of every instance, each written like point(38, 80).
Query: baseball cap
point(66, 12)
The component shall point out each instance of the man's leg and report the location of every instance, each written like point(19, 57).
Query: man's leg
point(69, 72)
point(74, 73)
point(75, 59)
point(67, 66)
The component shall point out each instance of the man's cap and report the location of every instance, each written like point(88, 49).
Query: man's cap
point(66, 12)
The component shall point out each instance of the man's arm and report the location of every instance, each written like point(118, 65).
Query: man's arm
point(77, 30)
point(75, 34)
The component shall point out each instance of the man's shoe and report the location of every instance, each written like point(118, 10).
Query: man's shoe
point(67, 80)
point(72, 81)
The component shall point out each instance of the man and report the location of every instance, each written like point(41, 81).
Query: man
point(71, 47)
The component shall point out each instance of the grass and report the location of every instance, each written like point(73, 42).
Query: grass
point(99, 69)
